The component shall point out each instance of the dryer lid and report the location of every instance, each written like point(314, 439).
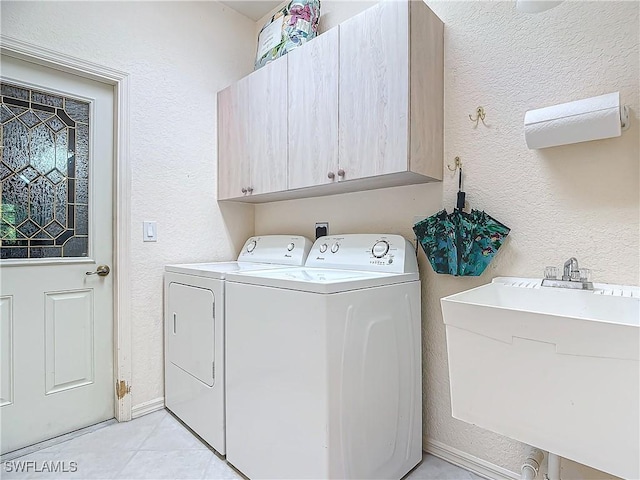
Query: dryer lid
point(258, 253)
point(219, 270)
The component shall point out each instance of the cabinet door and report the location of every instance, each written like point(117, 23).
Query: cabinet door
point(313, 112)
point(233, 145)
point(267, 135)
point(374, 89)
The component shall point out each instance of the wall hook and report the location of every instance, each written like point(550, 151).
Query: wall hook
point(456, 165)
point(480, 114)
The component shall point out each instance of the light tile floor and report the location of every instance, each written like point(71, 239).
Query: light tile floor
point(158, 446)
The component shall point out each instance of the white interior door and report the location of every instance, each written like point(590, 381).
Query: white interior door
point(56, 336)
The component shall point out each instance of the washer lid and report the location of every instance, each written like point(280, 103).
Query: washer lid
point(320, 280)
point(219, 270)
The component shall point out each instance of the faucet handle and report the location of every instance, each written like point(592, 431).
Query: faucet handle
point(551, 273)
point(585, 274)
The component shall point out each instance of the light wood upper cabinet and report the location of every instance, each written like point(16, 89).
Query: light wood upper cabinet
point(391, 92)
point(359, 107)
point(233, 144)
point(252, 134)
point(313, 112)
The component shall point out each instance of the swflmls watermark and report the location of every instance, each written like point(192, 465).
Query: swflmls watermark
point(46, 466)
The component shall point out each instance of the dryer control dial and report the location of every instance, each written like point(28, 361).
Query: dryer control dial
point(380, 249)
point(252, 246)
point(323, 248)
point(335, 247)
point(291, 246)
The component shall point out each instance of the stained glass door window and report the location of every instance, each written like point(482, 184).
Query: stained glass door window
point(44, 174)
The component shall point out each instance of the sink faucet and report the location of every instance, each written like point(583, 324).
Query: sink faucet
point(570, 266)
point(572, 277)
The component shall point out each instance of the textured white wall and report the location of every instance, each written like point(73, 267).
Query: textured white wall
point(178, 55)
point(580, 200)
point(575, 200)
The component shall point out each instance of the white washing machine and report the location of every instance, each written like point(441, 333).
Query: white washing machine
point(324, 364)
point(194, 330)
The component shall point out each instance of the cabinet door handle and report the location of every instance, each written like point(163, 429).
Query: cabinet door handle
point(250, 189)
point(331, 175)
point(341, 173)
point(244, 190)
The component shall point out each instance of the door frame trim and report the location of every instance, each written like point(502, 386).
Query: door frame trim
point(13, 47)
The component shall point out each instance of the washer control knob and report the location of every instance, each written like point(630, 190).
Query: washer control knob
point(291, 246)
point(323, 248)
point(335, 247)
point(380, 249)
point(252, 246)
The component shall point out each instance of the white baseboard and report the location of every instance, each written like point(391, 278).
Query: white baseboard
point(469, 462)
point(147, 407)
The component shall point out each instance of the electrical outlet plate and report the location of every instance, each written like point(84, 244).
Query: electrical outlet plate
point(322, 229)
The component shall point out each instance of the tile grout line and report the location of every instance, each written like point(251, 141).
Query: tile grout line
point(137, 450)
point(206, 468)
point(116, 474)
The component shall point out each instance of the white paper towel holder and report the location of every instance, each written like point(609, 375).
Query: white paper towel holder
point(594, 118)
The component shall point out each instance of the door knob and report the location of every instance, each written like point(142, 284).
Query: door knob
point(341, 173)
point(250, 189)
point(244, 190)
point(331, 175)
point(101, 271)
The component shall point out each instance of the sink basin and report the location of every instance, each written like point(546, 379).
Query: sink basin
point(557, 369)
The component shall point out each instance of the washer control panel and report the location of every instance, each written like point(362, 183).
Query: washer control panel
point(277, 249)
point(383, 253)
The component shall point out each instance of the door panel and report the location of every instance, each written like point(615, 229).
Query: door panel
point(56, 225)
point(233, 143)
point(6, 351)
point(267, 97)
point(252, 133)
point(68, 340)
point(373, 89)
point(313, 111)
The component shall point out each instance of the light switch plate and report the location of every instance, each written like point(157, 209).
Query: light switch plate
point(149, 231)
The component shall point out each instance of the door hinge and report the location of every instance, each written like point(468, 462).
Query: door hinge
point(213, 369)
point(122, 389)
point(213, 308)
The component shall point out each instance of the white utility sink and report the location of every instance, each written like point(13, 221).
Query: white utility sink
point(557, 369)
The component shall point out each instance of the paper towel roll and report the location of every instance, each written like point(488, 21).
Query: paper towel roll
point(580, 121)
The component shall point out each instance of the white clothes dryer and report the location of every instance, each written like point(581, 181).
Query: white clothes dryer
point(324, 364)
point(194, 301)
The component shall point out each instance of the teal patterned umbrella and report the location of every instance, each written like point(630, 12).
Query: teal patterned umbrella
point(460, 243)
